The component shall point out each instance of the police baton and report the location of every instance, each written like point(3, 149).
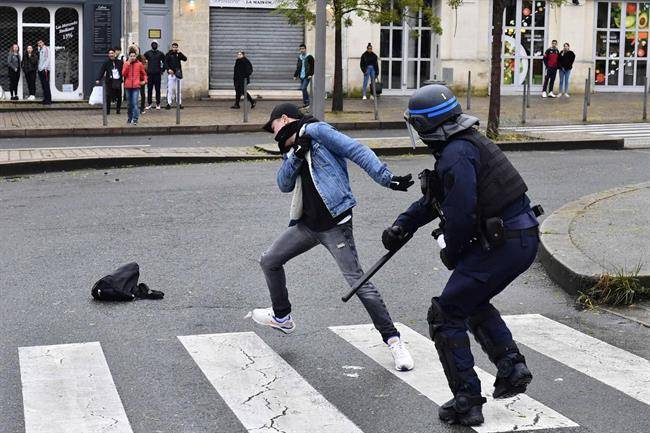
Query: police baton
point(373, 270)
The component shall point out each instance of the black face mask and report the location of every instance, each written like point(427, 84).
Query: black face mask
point(285, 133)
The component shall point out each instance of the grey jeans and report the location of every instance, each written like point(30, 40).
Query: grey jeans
point(339, 241)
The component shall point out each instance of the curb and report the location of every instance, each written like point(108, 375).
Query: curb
point(176, 129)
point(526, 145)
point(567, 265)
point(55, 165)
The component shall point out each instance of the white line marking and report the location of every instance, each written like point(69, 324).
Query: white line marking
point(69, 388)
point(263, 391)
point(628, 373)
point(517, 413)
point(81, 147)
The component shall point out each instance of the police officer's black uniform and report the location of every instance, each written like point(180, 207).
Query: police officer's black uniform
point(491, 237)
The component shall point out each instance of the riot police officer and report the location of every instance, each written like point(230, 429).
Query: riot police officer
point(490, 237)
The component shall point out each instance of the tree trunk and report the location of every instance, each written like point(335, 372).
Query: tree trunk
point(498, 7)
point(337, 97)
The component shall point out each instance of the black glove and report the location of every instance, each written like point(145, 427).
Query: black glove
point(445, 260)
point(393, 237)
point(401, 183)
point(302, 146)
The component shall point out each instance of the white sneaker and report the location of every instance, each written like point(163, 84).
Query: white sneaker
point(552, 95)
point(31, 98)
point(566, 95)
point(401, 356)
point(148, 107)
point(265, 317)
point(364, 98)
point(544, 95)
point(158, 107)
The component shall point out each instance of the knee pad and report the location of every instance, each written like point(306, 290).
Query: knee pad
point(435, 317)
point(498, 352)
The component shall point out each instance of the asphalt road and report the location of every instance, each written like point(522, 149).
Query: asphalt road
point(198, 231)
point(194, 140)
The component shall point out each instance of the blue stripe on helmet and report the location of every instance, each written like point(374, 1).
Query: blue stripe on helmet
point(434, 108)
point(443, 111)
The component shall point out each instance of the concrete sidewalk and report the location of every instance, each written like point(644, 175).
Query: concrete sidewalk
point(600, 233)
point(68, 119)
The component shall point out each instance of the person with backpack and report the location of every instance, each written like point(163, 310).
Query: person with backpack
point(567, 57)
point(243, 71)
point(314, 168)
point(155, 67)
point(111, 73)
point(135, 77)
point(370, 67)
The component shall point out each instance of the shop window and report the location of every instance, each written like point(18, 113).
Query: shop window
point(66, 38)
point(35, 15)
point(8, 37)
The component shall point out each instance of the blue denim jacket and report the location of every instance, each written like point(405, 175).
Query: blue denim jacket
point(326, 159)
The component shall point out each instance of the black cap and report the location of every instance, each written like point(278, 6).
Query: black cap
point(286, 108)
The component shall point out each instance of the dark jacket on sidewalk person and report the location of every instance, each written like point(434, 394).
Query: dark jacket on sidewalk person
point(173, 61)
point(108, 72)
point(566, 59)
point(551, 61)
point(155, 68)
point(13, 69)
point(241, 74)
point(309, 66)
point(368, 58)
point(30, 68)
point(370, 66)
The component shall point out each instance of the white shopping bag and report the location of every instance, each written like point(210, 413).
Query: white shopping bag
point(97, 96)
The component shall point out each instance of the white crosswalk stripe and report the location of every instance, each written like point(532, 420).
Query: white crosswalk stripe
point(263, 391)
point(617, 368)
point(517, 413)
point(616, 130)
point(69, 388)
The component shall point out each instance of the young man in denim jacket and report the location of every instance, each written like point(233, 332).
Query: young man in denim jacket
point(314, 168)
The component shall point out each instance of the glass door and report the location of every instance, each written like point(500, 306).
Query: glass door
point(621, 51)
point(524, 43)
point(405, 52)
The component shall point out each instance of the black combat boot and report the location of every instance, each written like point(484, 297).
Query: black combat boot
point(513, 376)
point(463, 409)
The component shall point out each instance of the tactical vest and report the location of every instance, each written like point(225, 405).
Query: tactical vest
point(499, 183)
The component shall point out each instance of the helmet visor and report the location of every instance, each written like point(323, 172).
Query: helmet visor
point(413, 135)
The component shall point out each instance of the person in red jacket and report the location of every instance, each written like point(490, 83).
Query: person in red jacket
point(552, 62)
point(135, 76)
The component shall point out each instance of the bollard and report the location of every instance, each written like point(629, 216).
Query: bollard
point(528, 94)
point(245, 101)
point(310, 109)
point(524, 101)
point(645, 98)
point(589, 96)
point(373, 87)
point(586, 101)
point(105, 98)
point(178, 103)
point(469, 90)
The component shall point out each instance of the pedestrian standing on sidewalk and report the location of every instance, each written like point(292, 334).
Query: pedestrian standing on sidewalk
point(551, 61)
point(13, 68)
point(304, 71)
point(135, 77)
point(174, 67)
point(44, 71)
point(370, 68)
point(155, 67)
point(567, 57)
point(142, 60)
point(30, 67)
point(111, 72)
point(314, 167)
point(243, 71)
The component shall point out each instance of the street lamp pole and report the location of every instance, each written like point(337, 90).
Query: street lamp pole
point(318, 96)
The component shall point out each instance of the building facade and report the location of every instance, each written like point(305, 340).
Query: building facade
point(78, 32)
point(609, 38)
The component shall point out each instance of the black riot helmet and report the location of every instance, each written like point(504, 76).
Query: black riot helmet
point(429, 107)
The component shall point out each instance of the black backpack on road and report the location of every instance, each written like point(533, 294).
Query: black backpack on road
point(122, 285)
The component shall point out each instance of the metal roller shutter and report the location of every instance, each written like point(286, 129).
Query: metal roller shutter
point(270, 43)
